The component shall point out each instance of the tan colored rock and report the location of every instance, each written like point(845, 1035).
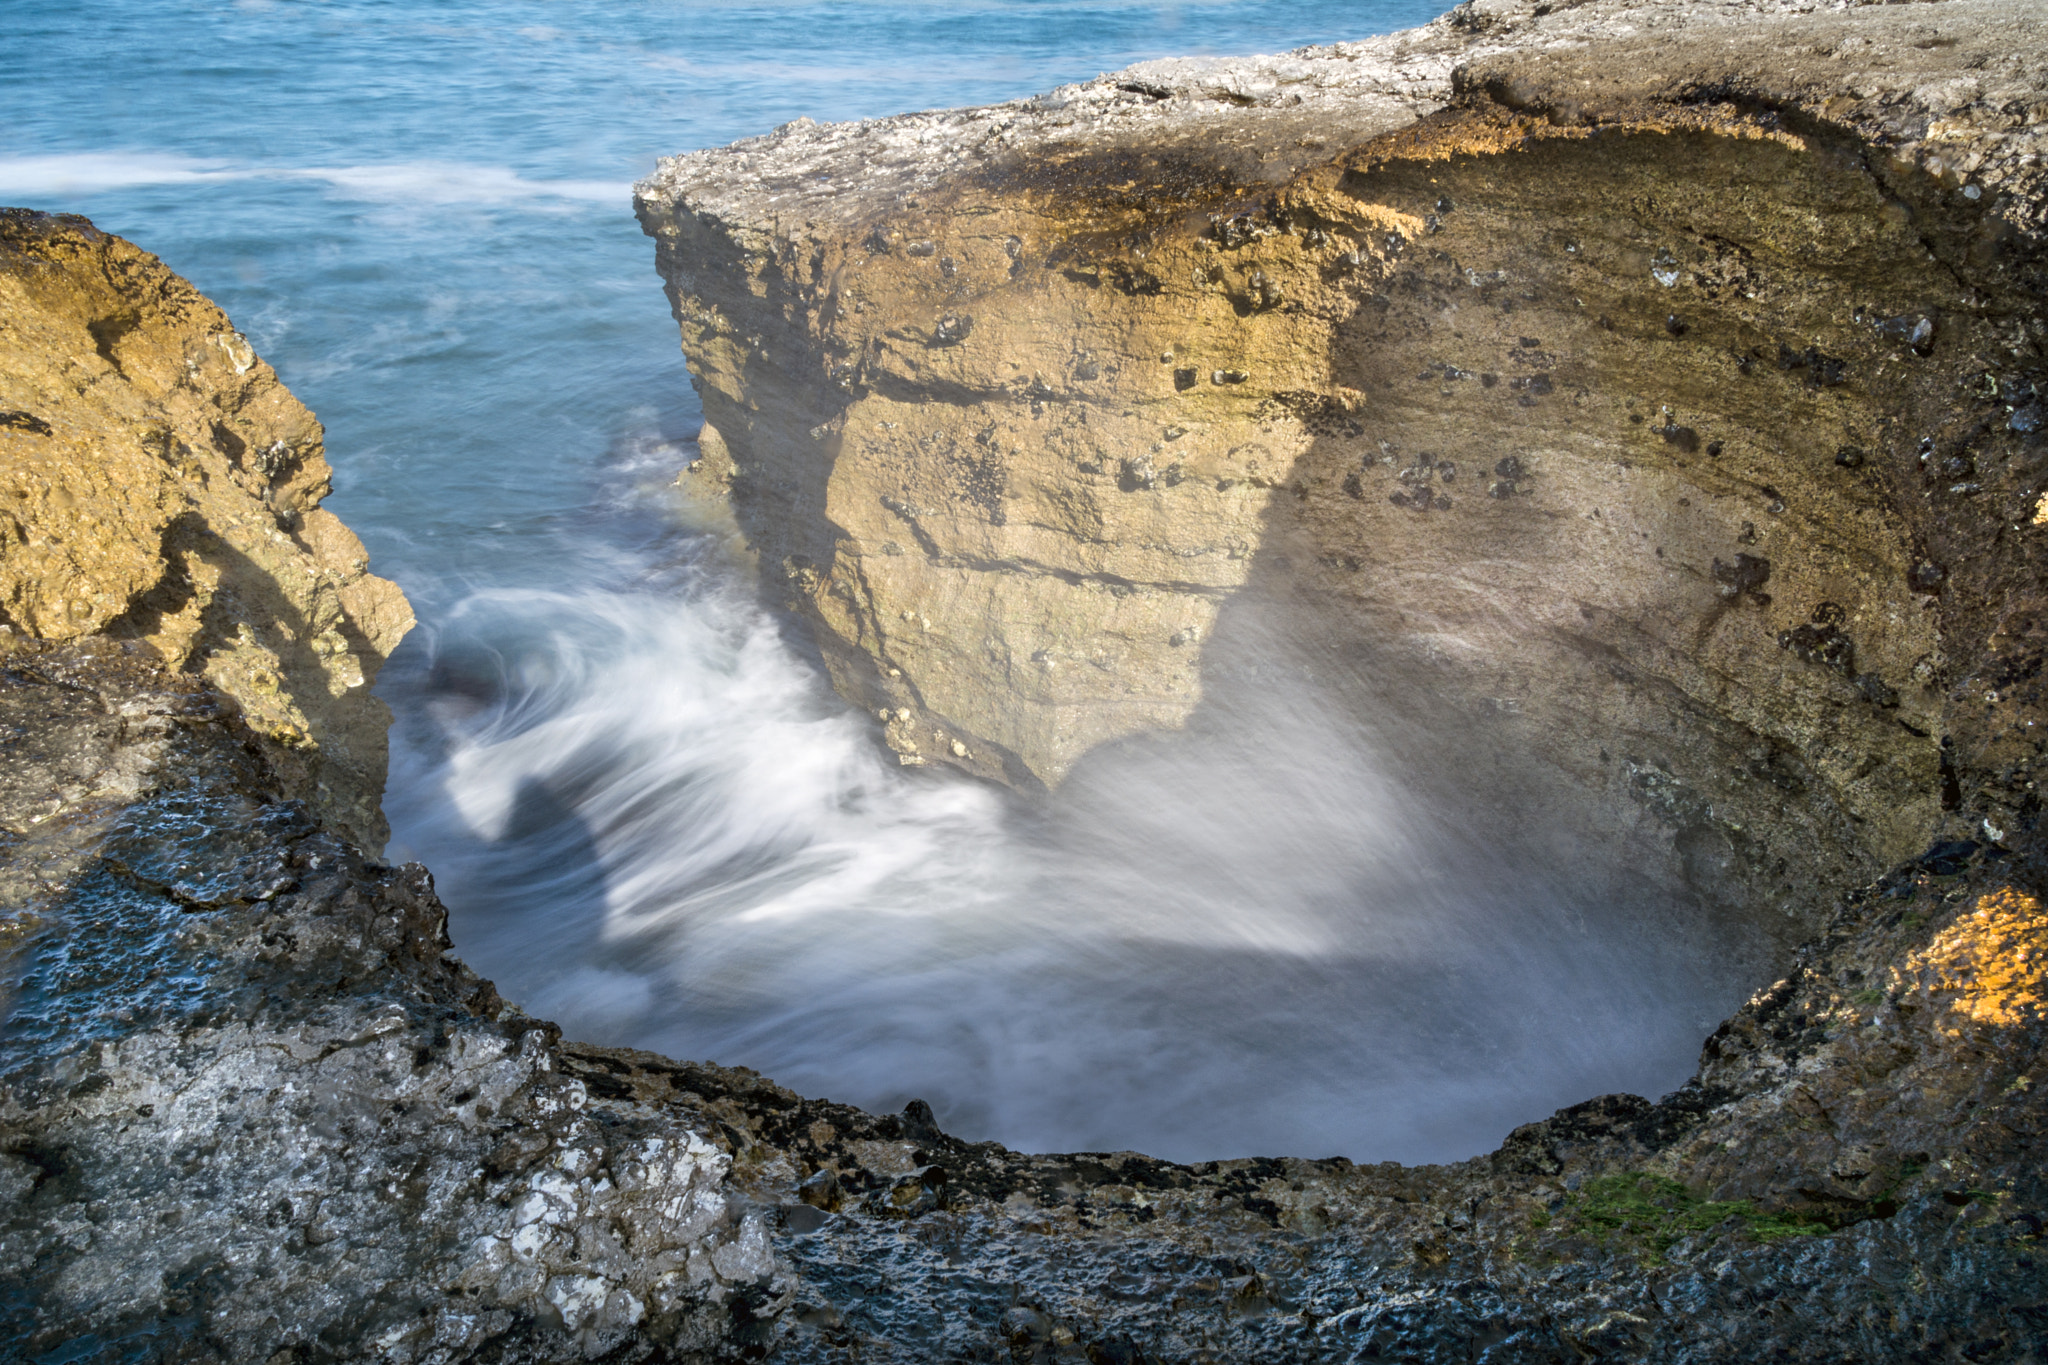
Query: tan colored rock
point(1592, 382)
point(158, 482)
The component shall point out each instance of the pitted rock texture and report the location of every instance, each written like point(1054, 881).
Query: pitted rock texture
point(1852, 1175)
point(157, 482)
point(1640, 402)
point(252, 1108)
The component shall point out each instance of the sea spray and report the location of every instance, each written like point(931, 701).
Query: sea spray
point(656, 824)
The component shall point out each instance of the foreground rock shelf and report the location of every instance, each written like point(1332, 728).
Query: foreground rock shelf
point(252, 1106)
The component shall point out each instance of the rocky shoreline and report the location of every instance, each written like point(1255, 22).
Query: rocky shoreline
point(253, 1107)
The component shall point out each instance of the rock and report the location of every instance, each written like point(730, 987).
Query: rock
point(1607, 206)
point(255, 1109)
point(158, 483)
point(820, 1191)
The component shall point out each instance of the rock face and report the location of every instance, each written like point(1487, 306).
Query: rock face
point(252, 1108)
point(1642, 402)
point(158, 483)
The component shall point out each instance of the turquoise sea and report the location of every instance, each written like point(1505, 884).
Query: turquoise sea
point(651, 818)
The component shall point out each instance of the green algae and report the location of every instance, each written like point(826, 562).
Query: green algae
point(1653, 1212)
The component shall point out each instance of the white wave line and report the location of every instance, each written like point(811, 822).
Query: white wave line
point(78, 174)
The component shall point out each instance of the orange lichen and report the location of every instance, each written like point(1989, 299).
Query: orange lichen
point(1488, 131)
point(1991, 965)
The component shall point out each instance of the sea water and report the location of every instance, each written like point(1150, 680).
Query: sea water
point(652, 819)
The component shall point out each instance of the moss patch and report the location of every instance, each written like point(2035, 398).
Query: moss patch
point(1652, 1212)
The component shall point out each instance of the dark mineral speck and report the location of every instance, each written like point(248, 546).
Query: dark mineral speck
point(1747, 574)
point(1821, 641)
point(1926, 576)
point(1876, 691)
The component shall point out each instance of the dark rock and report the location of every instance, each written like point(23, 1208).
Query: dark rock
point(1746, 574)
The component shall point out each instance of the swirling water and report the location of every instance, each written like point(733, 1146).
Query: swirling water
point(651, 818)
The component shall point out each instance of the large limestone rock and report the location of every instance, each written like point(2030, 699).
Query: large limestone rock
point(1635, 402)
point(157, 482)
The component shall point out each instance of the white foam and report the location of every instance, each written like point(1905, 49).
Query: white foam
point(655, 823)
point(86, 173)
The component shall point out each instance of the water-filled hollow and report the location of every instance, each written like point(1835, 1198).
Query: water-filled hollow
point(1344, 911)
point(1475, 818)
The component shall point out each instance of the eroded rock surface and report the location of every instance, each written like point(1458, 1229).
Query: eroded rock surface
point(157, 482)
point(253, 1108)
point(1643, 401)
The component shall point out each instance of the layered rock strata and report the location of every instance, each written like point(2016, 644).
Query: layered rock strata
point(158, 483)
point(1636, 405)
